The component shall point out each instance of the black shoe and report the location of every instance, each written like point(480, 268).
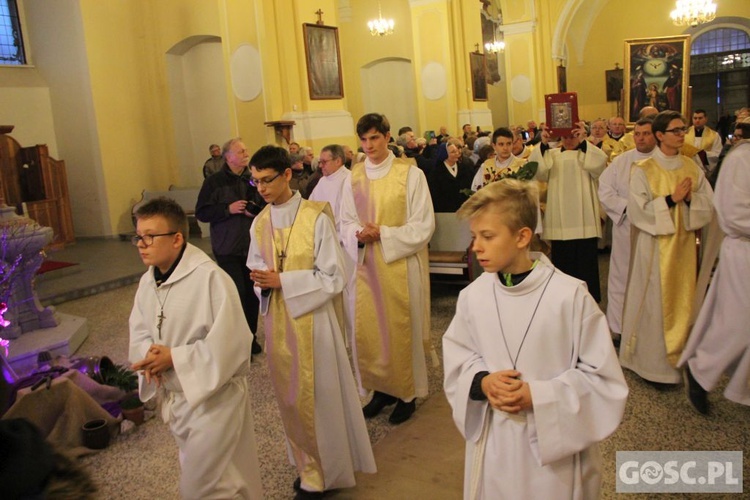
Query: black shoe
point(403, 411)
point(256, 349)
point(616, 340)
point(696, 394)
point(308, 495)
point(660, 386)
point(297, 485)
point(379, 401)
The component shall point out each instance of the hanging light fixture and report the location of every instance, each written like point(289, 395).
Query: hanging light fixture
point(380, 26)
point(693, 12)
point(496, 46)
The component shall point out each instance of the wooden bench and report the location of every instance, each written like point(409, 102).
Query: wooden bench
point(187, 198)
point(450, 247)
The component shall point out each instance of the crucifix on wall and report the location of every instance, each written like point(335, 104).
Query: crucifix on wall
point(319, 13)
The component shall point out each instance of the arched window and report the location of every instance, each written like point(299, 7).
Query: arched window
point(719, 50)
point(11, 42)
point(719, 74)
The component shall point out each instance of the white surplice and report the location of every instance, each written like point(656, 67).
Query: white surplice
point(572, 210)
point(614, 185)
point(333, 189)
point(720, 340)
point(205, 397)
point(577, 388)
point(643, 312)
point(340, 429)
point(402, 242)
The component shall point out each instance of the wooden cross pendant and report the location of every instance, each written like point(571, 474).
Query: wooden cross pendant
point(282, 257)
point(161, 320)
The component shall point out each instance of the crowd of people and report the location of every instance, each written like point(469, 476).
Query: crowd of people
point(332, 253)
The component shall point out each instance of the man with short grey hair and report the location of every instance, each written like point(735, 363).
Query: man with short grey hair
point(333, 186)
point(229, 202)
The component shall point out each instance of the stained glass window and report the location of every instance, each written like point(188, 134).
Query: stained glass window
point(11, 43)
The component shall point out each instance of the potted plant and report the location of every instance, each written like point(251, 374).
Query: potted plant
point(132, 408)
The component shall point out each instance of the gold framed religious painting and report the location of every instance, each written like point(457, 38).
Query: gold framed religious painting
point(657, 70)
point(478, 66)
point(323, 61)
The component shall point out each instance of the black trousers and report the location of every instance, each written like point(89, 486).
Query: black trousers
point(580, 259)
point(235, 267)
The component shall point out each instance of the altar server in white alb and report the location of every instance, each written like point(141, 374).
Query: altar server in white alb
point(296, 260)
point(614, 185)
point(669, 200)
point(191, 345)
point(393, 220)
point(530, 370)
point(720, 340)
point(333, 187)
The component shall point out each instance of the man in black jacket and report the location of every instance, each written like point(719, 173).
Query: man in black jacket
point(229, 201)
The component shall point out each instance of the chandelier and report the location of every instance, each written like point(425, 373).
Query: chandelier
point(693, 12)
point(380, 26)
point(495, 46)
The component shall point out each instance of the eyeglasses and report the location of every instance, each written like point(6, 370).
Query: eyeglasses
point(148, 239)
point(677, 130)
point(264, 182)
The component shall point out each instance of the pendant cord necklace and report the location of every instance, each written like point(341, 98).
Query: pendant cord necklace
point(502, 330)
point(282, 255)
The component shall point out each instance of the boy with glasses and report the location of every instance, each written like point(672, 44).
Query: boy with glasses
point(191, 346)
point(669, 200)
point(298, 266)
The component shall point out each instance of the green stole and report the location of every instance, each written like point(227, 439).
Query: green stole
point(383, 328)
point(289, 341)
point(677, 255)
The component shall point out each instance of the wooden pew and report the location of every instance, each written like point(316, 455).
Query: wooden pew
point(450, 248)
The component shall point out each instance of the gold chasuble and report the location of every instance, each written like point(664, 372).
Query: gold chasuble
point(383, 327)
point(677, 257)
point(289, 341)
point(707, 138)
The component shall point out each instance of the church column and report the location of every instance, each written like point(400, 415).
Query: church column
point(443, 35)
point(529, 65)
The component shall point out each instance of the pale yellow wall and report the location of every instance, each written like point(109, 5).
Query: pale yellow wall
point(430, 27)
point(359, 48)
point(126, 128)
point(129, 102)
point(605, 46)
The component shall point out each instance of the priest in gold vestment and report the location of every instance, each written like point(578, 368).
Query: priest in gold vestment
point(298, 267)
point(669, 200)
point(391, 216)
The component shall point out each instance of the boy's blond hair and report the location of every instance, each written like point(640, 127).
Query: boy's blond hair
point(517, 201)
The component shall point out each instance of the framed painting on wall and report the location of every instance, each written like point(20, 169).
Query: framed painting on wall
point(477, 63)
point(323, 61)
point(657, 71)
point(613, 79)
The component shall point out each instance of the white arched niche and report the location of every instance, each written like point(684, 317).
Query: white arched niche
point(198, 97)
point(388, 88)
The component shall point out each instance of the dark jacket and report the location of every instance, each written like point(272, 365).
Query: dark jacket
point(230, 233)
point(446, 189)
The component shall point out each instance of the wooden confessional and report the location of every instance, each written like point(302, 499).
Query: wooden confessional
point(30, 176)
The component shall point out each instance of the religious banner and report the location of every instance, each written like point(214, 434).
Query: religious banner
point(323, 62)
point(658, 73)
point(478, 76)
